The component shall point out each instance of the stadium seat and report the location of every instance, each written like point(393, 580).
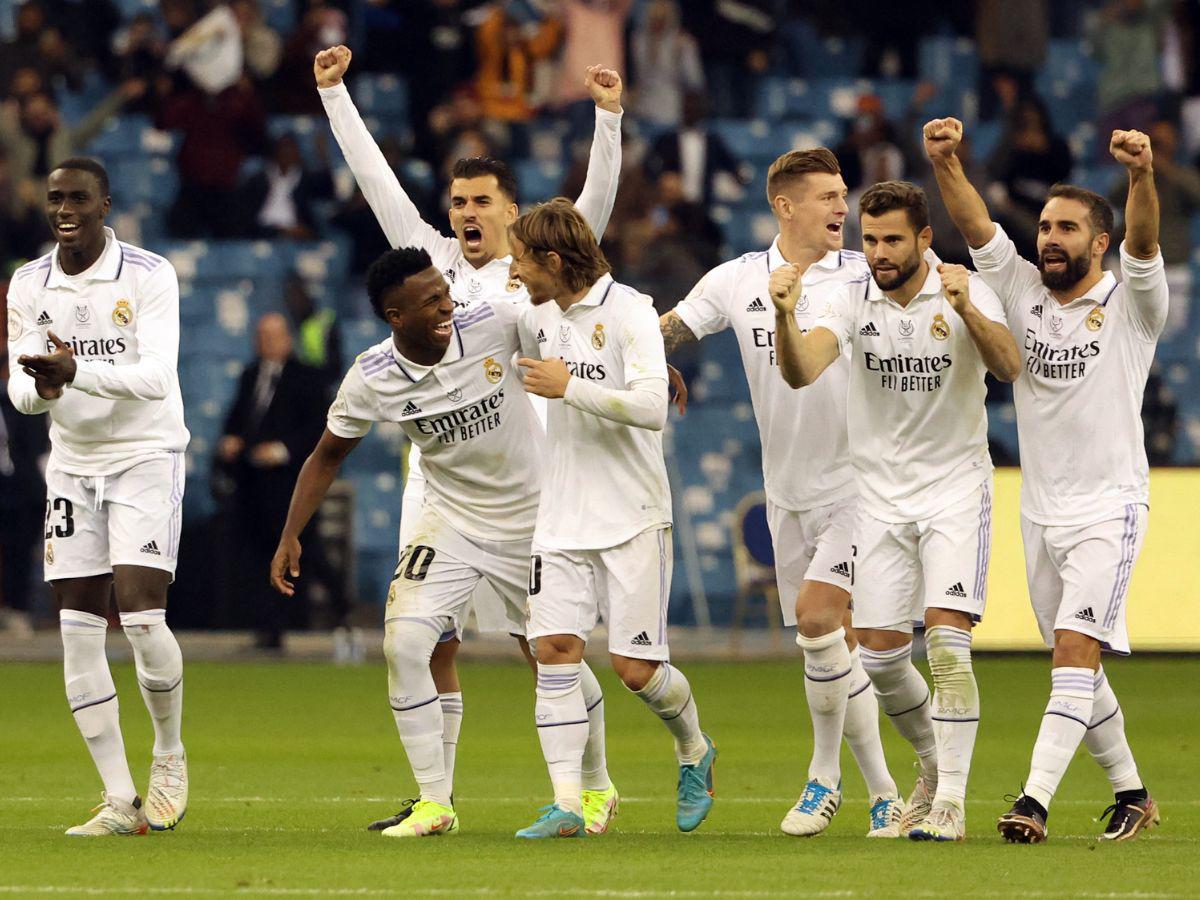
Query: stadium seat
point(754, 560)
point(949, 61)
point(538, 181)
point(381, 94)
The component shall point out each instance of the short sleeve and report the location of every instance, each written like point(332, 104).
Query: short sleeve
point(705, 310)
point(1004, 271)
point(642, 349)
point(1145, 282)
point(985, 300)
point(838, 315)
point(353, 409)
point(509, 316)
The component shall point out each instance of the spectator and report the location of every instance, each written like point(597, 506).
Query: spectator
point(509, 50)
point(139, 51)
point(209, 51)
point(218, 134)
point(292, 87)
point(437, 50)
point(665, 62)
point(22, 226)
point(1160, 415)
point(262, 47)
point(38, 45)
point(276, 418)
point(696, 154)
point(320, 345)
point(1012, 37)
point(594, 34)
point(1127, 40)
point(870, 153)
point(736, 40)
point(283, 193)
point(87, 28)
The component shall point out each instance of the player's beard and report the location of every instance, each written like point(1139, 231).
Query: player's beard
point(1071, 274)
point(903, 273)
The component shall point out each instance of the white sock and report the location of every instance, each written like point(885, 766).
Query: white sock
point(669, 695)
point(159, 665)
point(904, 696)
point(861, 729)
point(955, 708)
point(407, 645)
point(1064, 723)
point(827, 688)
point(93, 699)
point(595, 765)
point(452, 716)
point(562, 724)
point(1105, 738)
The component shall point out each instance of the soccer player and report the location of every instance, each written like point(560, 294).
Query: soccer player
point(602, 545)
point(448, 379)
point(1087, 342)
point(482, 195)
point(921, 335)
point(93, 337)
point(811, 498)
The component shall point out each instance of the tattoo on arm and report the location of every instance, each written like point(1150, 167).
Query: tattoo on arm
point(674, 331)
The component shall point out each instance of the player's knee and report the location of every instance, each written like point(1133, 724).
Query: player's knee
point(815, 623)
point(635, 674)
point(1072, 648)
point(880, 641)
point(557, 649)
point(408, 646)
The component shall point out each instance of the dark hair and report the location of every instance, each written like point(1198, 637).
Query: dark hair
point(478, 166)
point(889, 195)
point(1100, 211)
point(795, 164)
point(391, 270)
point(84, 164)
point(557, 226)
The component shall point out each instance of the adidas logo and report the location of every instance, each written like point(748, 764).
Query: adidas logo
point(869, 330)
point(151, 547)
point(956, 590)
point(1086, 615)
point(1036, 310)
point(541, 338)
point(841, 569)
point(756, 306)
point(44, 319)
point(642, 640)
point(410, 409)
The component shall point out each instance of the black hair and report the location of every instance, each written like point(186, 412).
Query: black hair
point(1100, 211)
point(478, 166)
point(84, 164)
point(391, 270)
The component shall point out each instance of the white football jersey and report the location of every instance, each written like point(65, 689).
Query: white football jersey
point(604, 482)
point(481, 446)
point(121, 317)
point(917, 422)
point(805, 456)
point(1079, 400)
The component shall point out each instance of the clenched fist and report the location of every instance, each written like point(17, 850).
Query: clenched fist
point(605, 87)
point(942, 137)
point(954, 286)
point(1132, 150)
point(331, 64)
point(785, 288)
point(545, 377)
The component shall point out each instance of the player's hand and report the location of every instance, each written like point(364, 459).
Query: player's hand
point(46, 390)
point(331, 64)
point(942, 137)
point(605, 87)
point(284, 564)
point(954, 286)
point(1132, 150)
point(679, 386)
point(54, 369)
point(546, 377)
point(785, 288)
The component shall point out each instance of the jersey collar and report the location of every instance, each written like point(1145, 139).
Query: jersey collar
point(1100, 292)
point(598, 293)
point(414, 372)
point(106, 268)
point(830, 261)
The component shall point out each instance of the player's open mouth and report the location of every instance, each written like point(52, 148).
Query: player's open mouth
point(834, 227)
point(444, 329)
point(473, 236)
point(67, 228)
point(1053, 259)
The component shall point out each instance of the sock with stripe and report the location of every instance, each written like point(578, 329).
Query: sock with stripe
point(955, 708)
point(595, 765)
point(827, 688)
point(159, 665)
point(1106, 741)
point(416, 707)
point(669, 695)
point(452, 716)
point(93, 699)
point(1064, 723)
point(861, 729)
point(562, 723)
point(904, 696)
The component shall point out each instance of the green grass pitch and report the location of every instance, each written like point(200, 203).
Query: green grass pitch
point(289, 762)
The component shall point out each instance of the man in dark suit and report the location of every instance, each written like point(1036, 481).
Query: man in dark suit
point(277, 416)
point(694, 153)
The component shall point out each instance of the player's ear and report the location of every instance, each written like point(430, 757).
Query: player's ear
point(511, 213)
point(105, 207)
point(1100, 244)
point(924, 238)
point(782, 206)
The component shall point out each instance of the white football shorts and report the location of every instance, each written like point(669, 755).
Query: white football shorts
point(130, 518)
point(906, 568)
point(1079, 575)
point(812, 545)
point(629, 585)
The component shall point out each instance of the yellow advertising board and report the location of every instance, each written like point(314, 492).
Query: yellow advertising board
point(1164, 596)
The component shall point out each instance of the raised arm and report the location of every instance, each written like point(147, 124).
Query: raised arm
point(1132, 150)
point(599, 192)
point(992, 338)
point(802, 357)
point(966, 207)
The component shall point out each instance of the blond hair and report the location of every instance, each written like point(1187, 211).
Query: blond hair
point(557, 226)
point(795, 164)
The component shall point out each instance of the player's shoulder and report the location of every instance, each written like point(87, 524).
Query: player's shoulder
point(626, 295)
point(33, 274)
point(139, 260)
point(483, 310)
point(374, 362)
point(852, 267)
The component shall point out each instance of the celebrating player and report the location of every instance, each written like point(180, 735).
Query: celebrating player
point(1087, 342)
point(93, 336)
point(921, 336)
point(602, 545)
point(810, 503)
point(483, 194)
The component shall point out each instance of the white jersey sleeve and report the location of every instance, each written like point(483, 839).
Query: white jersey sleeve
point(354, 408)
point(599, 192)
point(23, 340)
point(642, 405)
point(1003, 269)
point(642, 344)
point(1146, 287)
point(984, 299)
point(838, 315)
point(395, 212)
point(526, 333)
point(705, 310)
point(152, 377)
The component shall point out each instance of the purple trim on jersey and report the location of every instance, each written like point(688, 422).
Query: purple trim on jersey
point(1116, 599)
point(121, 261)
point(380, 362)
point(480, 313)
point(663, 597)
point(1104, 302)
point(32, 268)
point(458, 333)
point(139, 253)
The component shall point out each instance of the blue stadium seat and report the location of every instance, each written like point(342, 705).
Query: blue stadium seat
point(381, 94)
point(142, 179)
point(538, 181)
point(949, 60)
point(279, 14)
point(305, 130)
point(746, 229)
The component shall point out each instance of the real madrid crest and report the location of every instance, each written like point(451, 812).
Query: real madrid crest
point(49, 553)
point(598, 337)
point(122, 313)
point(514, 285)
point(940, 329)
point(492, 370)
point(1095, 319)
